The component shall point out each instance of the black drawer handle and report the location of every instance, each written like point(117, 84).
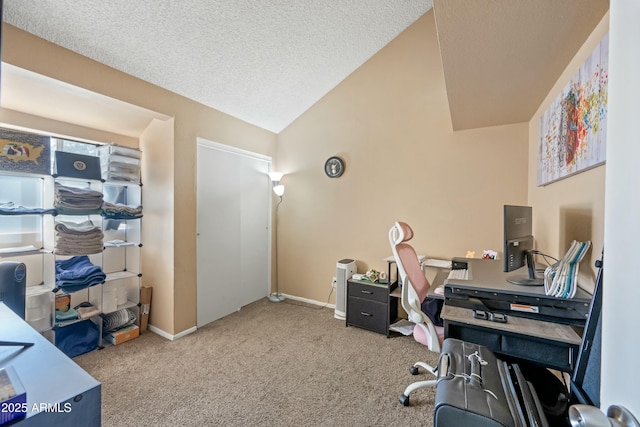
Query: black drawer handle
point(366, 292)
point(363, 313)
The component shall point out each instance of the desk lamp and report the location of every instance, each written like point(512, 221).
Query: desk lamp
point(278, 189)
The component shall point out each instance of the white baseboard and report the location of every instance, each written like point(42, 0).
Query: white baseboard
point(170, 336)
point(191, 330)
point(310, 301)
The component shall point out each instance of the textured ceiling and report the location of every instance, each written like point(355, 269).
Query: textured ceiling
point(502, 57)
point(265, 62)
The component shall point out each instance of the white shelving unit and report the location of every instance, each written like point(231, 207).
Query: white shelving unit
point(122, 237)
point(30, 238)
point(22, 239)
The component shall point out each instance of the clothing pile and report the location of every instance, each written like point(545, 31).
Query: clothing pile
point(120, 211)
point(77, 201)
point(10, 208)
point(78, 238)
point(77, 273)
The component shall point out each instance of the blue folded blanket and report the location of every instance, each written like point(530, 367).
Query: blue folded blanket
point(77, 273)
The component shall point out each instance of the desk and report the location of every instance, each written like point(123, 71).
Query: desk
point(487, 289)
point(436, 290)
point(543, 335)
point(59, 390)
point(549, 344)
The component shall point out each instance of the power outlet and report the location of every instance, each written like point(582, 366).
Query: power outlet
point(334, 283)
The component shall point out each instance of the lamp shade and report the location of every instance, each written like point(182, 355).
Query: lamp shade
point(279, 190)
point(275, 176)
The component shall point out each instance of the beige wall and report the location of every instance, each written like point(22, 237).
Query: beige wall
point(174, 305)
point(390, 121)
point(572, 208)
point(157, 146)
point(19, 119)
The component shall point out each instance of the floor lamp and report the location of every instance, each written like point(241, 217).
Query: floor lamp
point(278, 189)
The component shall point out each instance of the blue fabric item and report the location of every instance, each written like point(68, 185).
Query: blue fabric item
point(76, 267)
point(77, 338)
point(109, 215)
point(77, 273)
point(9, 208)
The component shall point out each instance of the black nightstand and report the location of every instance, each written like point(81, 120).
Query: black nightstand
point(372, 306)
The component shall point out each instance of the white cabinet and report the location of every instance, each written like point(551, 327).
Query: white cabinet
point(39, 228)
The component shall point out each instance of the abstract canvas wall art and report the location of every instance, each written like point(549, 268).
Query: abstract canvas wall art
point(573, 130)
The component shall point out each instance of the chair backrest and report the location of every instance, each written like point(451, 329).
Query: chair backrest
point(415, 285)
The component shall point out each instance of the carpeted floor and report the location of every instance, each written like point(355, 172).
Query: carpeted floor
point(270, 364)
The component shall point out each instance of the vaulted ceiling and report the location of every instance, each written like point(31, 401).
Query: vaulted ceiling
point(268, 62)
point(501, 57)
point(264, 62)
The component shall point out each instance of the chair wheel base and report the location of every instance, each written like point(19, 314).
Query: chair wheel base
point(414, 370)
point(404, 399)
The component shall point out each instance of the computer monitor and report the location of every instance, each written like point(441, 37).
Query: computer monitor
point(518, 245)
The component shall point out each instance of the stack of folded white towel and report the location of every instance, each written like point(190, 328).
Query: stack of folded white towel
point(78, 238)
point(77, 201)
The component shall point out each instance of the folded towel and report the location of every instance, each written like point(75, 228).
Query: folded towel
point(77, 273)
point(70, 199)
point(63, 316)
point(75, 227)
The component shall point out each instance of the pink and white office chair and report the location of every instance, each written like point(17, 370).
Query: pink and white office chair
point(414, 290)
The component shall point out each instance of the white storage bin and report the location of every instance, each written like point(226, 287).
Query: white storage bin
point(109, 299)
point(120, 163)
point(133, 162)
point(121, 294)
point(116, 150)
point(39, 307)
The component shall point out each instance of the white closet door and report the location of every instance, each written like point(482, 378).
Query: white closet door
point(233, 236)
point(254, 230)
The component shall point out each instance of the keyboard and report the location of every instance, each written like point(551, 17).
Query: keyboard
point(459, 274)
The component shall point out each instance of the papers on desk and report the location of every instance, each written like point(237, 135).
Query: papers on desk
point(403, 326)
point(13, 396)
point(560, 279)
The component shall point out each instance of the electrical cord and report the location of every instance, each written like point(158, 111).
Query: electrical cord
point(545, 257)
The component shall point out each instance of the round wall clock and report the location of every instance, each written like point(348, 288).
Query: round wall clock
point(334, 167)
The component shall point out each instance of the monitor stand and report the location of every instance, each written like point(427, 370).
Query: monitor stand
point(531, 279)
point(526, 281)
